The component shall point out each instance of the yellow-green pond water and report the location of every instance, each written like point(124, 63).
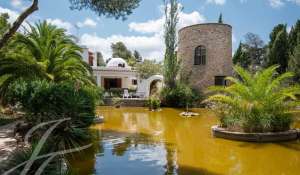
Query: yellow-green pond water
point(135, 141)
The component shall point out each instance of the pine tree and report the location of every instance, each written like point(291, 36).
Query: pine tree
point(220, 19)
point(279, 48)
point(120, 50)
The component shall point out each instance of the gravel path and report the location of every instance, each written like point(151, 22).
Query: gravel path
point(7, 141)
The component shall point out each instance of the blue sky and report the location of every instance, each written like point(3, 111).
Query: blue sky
point(143, 29)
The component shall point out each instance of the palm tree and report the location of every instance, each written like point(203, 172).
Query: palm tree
point(46, 52)
point(256, 102)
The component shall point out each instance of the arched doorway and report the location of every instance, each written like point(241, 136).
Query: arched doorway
point(146, 86)
point(155, 87)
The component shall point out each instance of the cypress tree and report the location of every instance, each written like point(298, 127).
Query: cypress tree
point(294, 63)
point(241, 58)
point(293, 36)
point(237, 55)
point(220, 19)
point(171, 62)
point(275, 32)
point(279, 48)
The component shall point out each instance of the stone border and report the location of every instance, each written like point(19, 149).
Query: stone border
point(289, 135)
point(126, 102)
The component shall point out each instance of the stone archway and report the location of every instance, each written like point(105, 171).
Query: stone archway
point(155, 86)
point(144, 86)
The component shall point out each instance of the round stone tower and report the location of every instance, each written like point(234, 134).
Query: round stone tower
point(206, 53)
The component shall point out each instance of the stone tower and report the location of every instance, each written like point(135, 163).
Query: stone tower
point(206, 53)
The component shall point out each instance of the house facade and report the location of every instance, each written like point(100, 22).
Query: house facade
point(116, 74)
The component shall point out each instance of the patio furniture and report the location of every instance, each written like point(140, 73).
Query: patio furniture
point(126, 94)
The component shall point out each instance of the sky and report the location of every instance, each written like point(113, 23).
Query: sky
point(143, 29)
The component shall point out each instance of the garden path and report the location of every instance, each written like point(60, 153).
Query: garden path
point(7, 141)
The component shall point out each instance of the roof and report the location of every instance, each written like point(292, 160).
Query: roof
point(117, 62)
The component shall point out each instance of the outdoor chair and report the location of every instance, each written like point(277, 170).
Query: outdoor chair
point(126, 94)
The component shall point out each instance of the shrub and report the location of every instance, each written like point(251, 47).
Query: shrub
point(43, 101)
point(180, 96)
point(260, 102)
point(5, 119)
point(153, 103)
point(116, 92)
point(57, 166)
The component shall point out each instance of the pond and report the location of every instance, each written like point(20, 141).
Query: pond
point(135, 141)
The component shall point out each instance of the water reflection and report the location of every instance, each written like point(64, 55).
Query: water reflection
point(136, 141)
point(134, 154)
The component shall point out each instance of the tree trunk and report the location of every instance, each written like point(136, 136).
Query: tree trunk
point(16, 25)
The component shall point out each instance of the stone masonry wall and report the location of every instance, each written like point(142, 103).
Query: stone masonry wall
point(217, 38)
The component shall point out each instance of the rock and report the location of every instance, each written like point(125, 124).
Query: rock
point(99, 119)
point(189, 114)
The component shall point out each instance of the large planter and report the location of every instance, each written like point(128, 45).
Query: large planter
point(289, 135)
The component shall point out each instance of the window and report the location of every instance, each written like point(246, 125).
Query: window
point(121, 65)
point(220, 81)
point(134, 82)
point(200, 55)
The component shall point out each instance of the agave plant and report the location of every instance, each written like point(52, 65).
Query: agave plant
point(46, 52)
point(57, 166)
point(259, 102)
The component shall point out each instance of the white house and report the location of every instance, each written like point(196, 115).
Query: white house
point(118, 74)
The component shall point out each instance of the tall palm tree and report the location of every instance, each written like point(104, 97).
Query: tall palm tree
point(256, 102)
point(46, 52)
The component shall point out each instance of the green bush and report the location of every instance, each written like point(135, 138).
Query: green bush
point(153, 103)
point(180, 96)
point(57, 166)
point(5, 119)
point(260, 102)
point(43, 101)
point(116, 92)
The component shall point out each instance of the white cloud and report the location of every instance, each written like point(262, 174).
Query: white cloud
point(150, 47)
point(233, 38)
point(88, 22)
point(280, 3)
point(151, 26)
point(276, 3)
point(61, 24)
point(295, 1)
point(16, 3)
point(13, 15)
point(217, 2)
point(156, 26)
point(289, 28)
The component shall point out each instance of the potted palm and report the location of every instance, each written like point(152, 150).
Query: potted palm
point(255, 107)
